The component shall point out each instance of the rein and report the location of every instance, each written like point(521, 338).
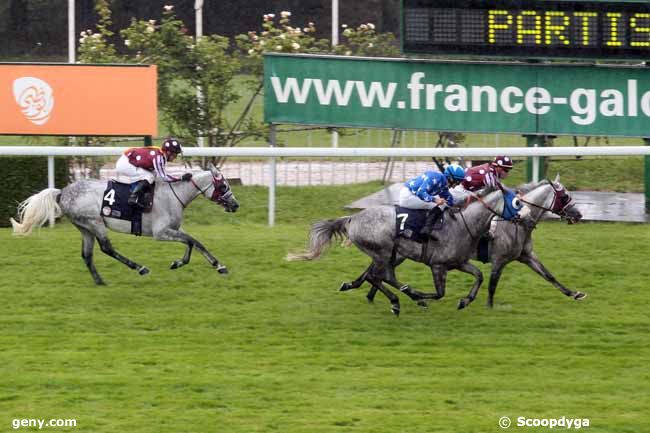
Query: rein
point(201, 191)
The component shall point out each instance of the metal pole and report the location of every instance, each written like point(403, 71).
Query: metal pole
point(335, 42)
point(50, 179)
point(71, 32)
point(198, 9)
point(535, 164)
point(646, 176)
point(272, 180)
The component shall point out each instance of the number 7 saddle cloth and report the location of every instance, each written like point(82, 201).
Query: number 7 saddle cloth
point(115, 204)
point(409, 223)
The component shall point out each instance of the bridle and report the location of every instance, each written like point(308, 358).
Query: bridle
point(217, 196)
point(557, 206)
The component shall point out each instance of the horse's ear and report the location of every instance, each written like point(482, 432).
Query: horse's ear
point(557, 178)
point(214, 170)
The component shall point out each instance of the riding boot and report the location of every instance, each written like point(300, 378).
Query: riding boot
point(136, 197)
point(433, 221)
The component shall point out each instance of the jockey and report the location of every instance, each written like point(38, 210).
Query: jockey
point(143, 164)
point(489, 174)
point(431, 191)
point(484, 175)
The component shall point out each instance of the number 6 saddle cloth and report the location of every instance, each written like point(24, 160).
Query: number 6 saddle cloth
point(115, 204)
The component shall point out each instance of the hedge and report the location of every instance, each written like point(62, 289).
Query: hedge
point(26, 175)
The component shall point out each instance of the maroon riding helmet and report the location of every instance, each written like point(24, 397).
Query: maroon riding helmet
point(504, 162)
point(171, 146)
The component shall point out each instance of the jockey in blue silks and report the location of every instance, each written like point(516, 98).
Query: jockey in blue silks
point(430, 191)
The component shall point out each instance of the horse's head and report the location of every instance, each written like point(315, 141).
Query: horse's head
point(221, 192)
point(563, 205)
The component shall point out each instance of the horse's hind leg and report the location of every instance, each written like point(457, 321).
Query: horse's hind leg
point(87, 246)
point(356, 283)
point(370, 296)
point(107, 248)
point(394, 300)
point(169, 234)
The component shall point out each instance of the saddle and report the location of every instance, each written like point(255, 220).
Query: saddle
point(115, 204)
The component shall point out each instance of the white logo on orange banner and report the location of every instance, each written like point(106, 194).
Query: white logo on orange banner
point(35, 98)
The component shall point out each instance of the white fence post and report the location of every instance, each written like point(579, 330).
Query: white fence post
point(50, 179)
point(272, 179)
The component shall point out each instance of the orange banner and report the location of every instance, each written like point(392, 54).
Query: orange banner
point(78, 100)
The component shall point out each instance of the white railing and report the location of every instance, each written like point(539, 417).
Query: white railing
point(309, 152)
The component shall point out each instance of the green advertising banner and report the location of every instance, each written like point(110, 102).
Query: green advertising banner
point(457, 96)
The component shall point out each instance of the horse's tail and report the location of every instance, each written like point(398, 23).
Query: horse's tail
point(36, 210)
point(321, 236)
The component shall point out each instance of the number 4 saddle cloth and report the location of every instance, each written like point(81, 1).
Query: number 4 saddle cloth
point(115, 204)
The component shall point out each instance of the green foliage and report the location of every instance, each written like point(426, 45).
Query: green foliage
point(25, 176)
point(211, 64)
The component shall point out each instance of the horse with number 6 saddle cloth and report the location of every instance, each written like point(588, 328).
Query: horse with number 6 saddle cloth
point(115, 204)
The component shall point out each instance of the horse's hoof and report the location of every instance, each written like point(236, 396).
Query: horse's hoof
point(370, 299)
point(395, 309)
point(100, 283)
point(222, 269)
point(463, 303)
point(176, 264)
point(143, 270)
point(579, 296)
point(422, 303)
point(345, 287)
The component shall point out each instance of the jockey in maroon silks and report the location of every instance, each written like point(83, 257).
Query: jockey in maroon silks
point(488, 174)
point(141, 166)
point(485, 175)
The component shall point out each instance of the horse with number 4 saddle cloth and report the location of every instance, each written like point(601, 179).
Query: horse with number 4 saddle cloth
point(115, 204)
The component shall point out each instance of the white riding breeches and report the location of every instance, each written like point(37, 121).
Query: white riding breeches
point(412, 201)
point(129, 173)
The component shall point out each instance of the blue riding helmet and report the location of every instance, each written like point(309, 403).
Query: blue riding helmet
point(455, 172)
point(511, 204)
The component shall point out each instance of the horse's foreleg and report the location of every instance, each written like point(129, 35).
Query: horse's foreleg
point(469, 268)
point(107, 248)
point(439, 275)
point(495, 275)
point(533, 263)
point(87, 246)
point(180, 236)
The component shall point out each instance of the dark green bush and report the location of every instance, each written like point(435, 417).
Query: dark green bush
point(26, 175)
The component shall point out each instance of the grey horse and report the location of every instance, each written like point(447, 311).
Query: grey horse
point(373, 231)
point(81, 201)
point(513, 241)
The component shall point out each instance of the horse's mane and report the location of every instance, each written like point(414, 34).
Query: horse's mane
point(528, 187)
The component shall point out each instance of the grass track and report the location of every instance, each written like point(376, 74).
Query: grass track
point(274, 347)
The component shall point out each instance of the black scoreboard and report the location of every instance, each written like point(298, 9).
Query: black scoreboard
point(534, 29)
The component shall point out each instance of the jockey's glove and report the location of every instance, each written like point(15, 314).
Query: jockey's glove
point(186, 177)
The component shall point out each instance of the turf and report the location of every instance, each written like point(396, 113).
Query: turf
point(274, 347)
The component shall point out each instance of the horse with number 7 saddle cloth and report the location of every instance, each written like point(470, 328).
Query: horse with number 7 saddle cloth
point(115, 204)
